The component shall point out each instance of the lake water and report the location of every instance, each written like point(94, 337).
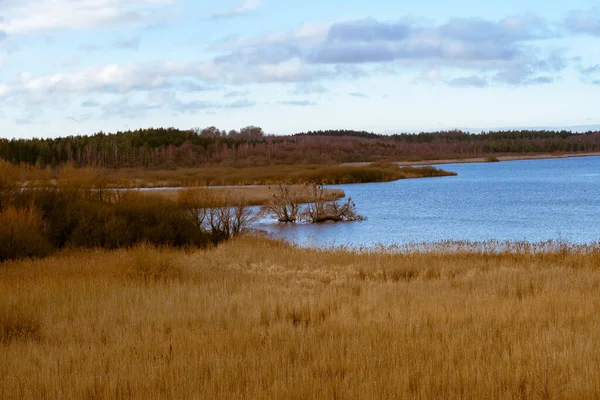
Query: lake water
point(531, 200)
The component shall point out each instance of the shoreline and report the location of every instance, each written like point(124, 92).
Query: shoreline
point(475, 160)
point(250, 196)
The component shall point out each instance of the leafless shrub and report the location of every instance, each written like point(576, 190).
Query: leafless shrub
point(195, 202)
point(324, 210)
point(226, 222)
point(285, 204)
point(218, 214)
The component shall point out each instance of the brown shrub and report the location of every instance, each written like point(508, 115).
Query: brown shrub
point(9, 178)
point(22, 234)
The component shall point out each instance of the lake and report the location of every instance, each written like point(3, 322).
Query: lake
point(529, 200)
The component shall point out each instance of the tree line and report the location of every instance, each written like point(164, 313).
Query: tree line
point(250, 146)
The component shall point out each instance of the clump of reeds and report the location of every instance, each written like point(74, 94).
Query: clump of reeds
point(18, 324)
point(149, 264)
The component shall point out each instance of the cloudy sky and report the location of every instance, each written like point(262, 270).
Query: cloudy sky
point(80, 66)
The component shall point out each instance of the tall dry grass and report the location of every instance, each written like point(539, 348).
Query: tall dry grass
point(267, 175)
point(69, 176)
point(247, 195)
point(256, 318)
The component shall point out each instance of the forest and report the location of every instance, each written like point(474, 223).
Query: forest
point(168, 148)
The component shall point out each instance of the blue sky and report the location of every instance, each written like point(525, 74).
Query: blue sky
point(72, 67)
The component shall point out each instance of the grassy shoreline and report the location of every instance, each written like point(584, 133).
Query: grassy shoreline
point(225, 176)
point(484, 159)
point(248, 196)
point(259, 318)
point(272, 175)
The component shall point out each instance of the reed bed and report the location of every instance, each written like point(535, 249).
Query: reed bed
point(248, 195)
point(259, 318)
point(221, 175)
point(488, 247)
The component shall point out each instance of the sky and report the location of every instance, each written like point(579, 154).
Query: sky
point(70, 67)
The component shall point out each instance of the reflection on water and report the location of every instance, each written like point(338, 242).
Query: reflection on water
point(532, 200)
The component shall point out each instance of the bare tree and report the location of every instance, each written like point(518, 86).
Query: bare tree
point(226, 222)
point(194, 202)
point(285, 204)
point(323, 210)
point(221, 216)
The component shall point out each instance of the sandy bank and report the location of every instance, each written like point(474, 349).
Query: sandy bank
point(483, 159)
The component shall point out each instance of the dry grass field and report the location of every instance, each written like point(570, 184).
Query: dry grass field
point(257, 318)
point(247, 195)
point(268, 175)
point(30, 176)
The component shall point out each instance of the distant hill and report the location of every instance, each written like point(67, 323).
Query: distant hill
point(571, 128)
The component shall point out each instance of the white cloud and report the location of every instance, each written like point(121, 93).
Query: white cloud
point(134, 107)
point(148, 77)
point(26, 16)
point(292, 71)
point(584, 21)
point(107, 79)
point(309, 33)
point(110, 78)
point(428, 75)
point(509, 46)
point(128, 43)
point(4, 89)
point(246, 7)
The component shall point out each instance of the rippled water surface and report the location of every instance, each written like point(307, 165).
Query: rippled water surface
point(533, 200)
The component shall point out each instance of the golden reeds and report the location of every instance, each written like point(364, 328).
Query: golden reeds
point(89, 177)
point(258, 318)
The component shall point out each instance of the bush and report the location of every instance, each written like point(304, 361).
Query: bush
point(147, 219)
point(57, 211)
point(71, 214)
point(9, 182)
point(22, 234)
point(73, 219)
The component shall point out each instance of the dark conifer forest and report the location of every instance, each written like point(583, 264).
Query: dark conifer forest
point(250, 146)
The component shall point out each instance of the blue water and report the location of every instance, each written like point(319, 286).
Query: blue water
point(531, 200)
